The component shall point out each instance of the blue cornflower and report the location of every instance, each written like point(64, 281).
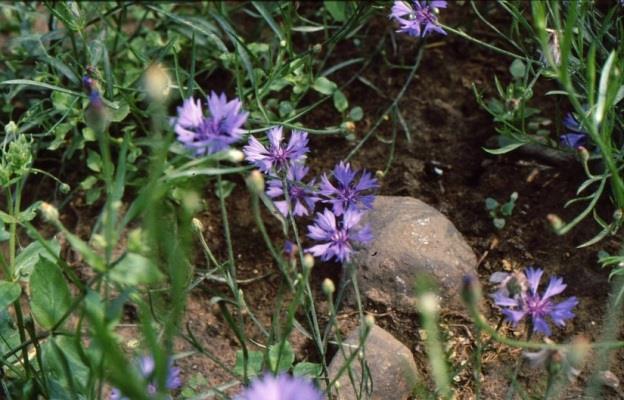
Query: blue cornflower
point(418, 18)
point(337, 237)
point(347, 192)
point(146, 367)
point(528, 303)
point(302, 197)
point(208, 135)
point(277, 157)
point(576, 136)
point(281, 387)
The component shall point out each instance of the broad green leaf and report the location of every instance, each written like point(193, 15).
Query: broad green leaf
point(120, 113)
point(29, 256)
point(307, 369)
point(135, 269)
point(281, 357)
point(9, 292)
point(94, 161)
point(337, 9)
point(254, 363)
point(50, 296)
point(324, 85)
point(356, 114)
point(340, 101)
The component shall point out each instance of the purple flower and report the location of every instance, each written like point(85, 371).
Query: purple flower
point(302, 198)
point(419, 18)
point(530, 304)
point(337, 237)
point(576, 136)
point(277, 157)
point(347, 192)
point(146, 367)
point(207, 135)
point(281, 387)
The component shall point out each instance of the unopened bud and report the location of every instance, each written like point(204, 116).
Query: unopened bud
point(317, 48)
point(197, 225)
point(283, 43)
point(64, 188)
point(369, 321)
point(556, 222)
point(578, 351)
point(618, 214)
point(10, 128)
point(349, 126)
point(98, 241)
point(328, 287)
point(583, 153)
point(157, 82)
point(308, 262)
point(255, 181)
point(235, 155)
point(471, 290)
point(429, 303)
point(379, 174)
point(49, 212)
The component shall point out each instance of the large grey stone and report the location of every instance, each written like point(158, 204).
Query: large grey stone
point(412, 239)
point(390, 364)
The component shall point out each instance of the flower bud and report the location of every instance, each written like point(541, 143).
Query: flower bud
point(369, 321)
point(64, 188)
point(234, 155)
point(471, 291)
point(255, 182)
point(328, 287)
point(556, 222)
point(429, 304)
point(157, 82)
point(308, 262)
point(583, 153)
point(197, 225)
point(11, 128)
point(317, 48)
point(49, 212)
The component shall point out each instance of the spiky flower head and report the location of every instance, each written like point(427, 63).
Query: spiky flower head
point(530, 304)
point(146, 367)
point(208, 135)
point(347, 192)
point(337, 237)
point(281, 387)
point(277, 157)
point(418, 17)
point(300, 194)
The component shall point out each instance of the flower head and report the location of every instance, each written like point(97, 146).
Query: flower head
point(347, 192)
point(281, 387)
point(337, 237)
point(302, 198)
point(531, 304)
point(418, 18)
point(576, 136)
point(277, 157)
point(147, 366)
point(207, 135)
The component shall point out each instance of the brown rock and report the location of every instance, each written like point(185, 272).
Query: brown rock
point(412, 239)
point(391, 368)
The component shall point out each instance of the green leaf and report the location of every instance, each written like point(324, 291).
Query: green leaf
point(120, 113)
point(517, 69)
point(603, 88)
point(490, 203)
point(9, 292)
point(94, 161)
point(505, 149)
point(254, 363)
point(50, 296)
point(324, 85)
point(340, 101)
point(281, 357)
point(135, 269)
point(499, 223)
point(48, 86)
point(4, 234)
point(29, 256)
point(307, 369)
point(337, 9)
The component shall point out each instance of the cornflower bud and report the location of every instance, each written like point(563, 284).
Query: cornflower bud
point(234, 155)
point(255, 181)
point(583, 154)
point(328, 287)
point(197, 225)
point(369, 321)
point(11, 128)
point(157, 82)
point(556, 222)
point(49, 212)
point(308, 262)
point(471, 291)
